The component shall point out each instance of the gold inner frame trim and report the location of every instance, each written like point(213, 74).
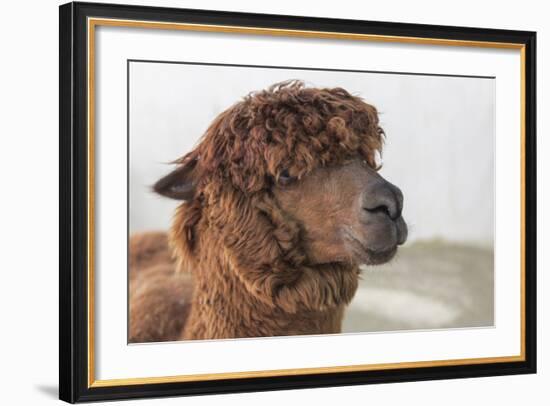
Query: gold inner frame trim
point(94, 22)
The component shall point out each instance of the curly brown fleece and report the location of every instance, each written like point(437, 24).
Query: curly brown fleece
point(252, 275)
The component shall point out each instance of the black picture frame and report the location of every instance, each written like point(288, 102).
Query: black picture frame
point(74, 199)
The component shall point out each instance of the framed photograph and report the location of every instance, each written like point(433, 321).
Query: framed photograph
point(256, 202)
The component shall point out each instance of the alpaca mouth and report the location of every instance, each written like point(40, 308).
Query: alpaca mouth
point(368, 256)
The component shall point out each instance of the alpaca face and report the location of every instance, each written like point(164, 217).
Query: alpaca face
point(348, 213)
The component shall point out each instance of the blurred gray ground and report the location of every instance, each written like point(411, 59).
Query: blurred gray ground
point(430, 284)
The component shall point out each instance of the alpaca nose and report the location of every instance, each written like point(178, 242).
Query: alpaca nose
point(383, 197)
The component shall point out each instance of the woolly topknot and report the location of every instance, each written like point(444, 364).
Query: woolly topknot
point(286, 127)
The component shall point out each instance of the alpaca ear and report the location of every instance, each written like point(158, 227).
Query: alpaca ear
point(179, 184)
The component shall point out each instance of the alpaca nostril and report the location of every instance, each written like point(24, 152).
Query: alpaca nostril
point(385, 203)
point(379, 209)
point(380, 196)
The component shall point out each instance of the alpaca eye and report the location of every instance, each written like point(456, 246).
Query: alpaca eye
point(285, 178)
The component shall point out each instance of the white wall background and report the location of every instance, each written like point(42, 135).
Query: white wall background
point(29, 233)
point(439, 145)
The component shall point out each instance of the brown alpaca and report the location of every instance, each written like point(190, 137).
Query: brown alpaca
point(281, 204)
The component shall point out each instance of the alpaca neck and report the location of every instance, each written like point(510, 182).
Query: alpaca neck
point(223, 308)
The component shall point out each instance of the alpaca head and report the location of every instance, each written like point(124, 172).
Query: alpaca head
point(286, 181)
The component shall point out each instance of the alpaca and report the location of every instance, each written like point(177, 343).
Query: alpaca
point(281, 203)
